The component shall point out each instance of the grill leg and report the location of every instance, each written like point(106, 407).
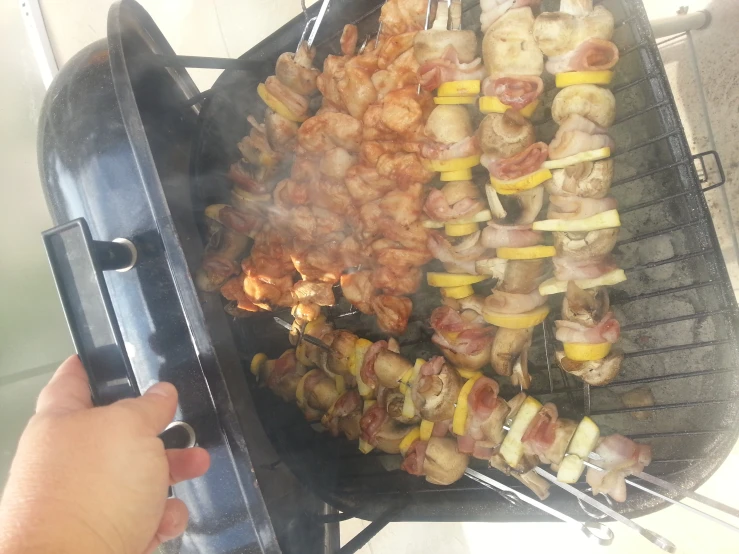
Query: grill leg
point(331, 539)
point(366, 534)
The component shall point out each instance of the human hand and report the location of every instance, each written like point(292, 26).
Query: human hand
point(95, 480)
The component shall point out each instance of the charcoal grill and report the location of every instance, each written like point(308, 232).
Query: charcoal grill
point(677, 308)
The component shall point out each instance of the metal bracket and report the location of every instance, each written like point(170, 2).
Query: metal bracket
point(699, 161)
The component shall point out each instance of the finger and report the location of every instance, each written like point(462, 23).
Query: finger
point(67, 391)
point(187, 463)
point(172, 524)
point(155, 408)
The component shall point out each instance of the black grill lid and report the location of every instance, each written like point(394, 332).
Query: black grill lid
point(114, 144)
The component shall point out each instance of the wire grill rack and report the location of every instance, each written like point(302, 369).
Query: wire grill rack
point(677, 308)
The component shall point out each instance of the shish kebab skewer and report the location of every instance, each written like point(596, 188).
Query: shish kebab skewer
point(659, 541)
point(232, 227)
point(591, 529)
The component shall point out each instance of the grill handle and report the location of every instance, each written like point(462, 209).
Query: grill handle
point(77, 263)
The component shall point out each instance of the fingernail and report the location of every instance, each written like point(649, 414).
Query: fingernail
point(162, 389)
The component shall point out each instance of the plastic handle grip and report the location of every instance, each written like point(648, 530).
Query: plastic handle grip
point(77, 263)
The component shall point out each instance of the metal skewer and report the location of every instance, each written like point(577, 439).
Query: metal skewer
point(317, 23)
point(302, 336)
point(425, 28)
point(594, 530)
point(316, 20)
point(651, 536)
point(726, 509)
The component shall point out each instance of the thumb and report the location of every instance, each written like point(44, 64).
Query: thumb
point(67, 391)
point(155, 409)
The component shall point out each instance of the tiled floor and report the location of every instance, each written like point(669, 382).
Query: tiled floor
point(229, 27)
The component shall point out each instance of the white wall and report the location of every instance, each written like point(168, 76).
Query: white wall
point(33, 333)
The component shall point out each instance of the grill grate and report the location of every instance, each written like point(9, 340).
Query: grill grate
point(677, 308)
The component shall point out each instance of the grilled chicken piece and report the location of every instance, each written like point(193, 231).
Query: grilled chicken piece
point(392, 313)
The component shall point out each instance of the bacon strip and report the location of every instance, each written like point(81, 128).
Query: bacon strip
point(620, 457)
point(367, 370)
point(511, 303)
point(567, 269)
point(468, 342)
point(446, 319)
point(371, 422)
point(592, 55)
point(578, 134)
point(523, 163)
point(512, 236)
point(540, 433)
point(516, 92)
point(462, 261)
point(574, 207)
point(414, 458)
point(438, 209)
point(607, 330)
point(448, 68)
point(438, 151)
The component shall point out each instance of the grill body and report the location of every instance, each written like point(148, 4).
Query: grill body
point(677, 308)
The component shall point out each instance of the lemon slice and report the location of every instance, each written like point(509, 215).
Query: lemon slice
point(604, 220)
point(459, 420)
point(554, 286)
point(583, 78)
point(447, 100)
point(276, 105)
point(458, 175)
point(460, 229)
point(412, 436)
point(452, 165)
point(256, 362)
point(526, 252)
point(525, 320)
point(462, 291)
point(491, 104)
point(527, 182)
point(580, 352)
point(459, 88)
point(436, 279)
point(469, 373)
point(589, 156)
point(427, 427)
